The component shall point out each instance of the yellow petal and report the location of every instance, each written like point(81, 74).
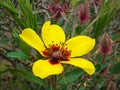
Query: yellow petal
point(84, 64)
point(43, 68)
point(80, 45)
point(31, 38)
point(52, 34)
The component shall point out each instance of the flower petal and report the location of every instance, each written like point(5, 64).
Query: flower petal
point(84, 64)
point(43, 68)
point(31, 38)
point(80, 45)
point(52, 34)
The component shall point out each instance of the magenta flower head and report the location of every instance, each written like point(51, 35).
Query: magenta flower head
point(105, 45)
point(83, 13)
point(58, 10)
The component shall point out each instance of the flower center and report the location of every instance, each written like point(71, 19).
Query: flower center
point(57, 53)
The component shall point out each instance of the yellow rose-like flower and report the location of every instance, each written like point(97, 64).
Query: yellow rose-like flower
point(57, 51)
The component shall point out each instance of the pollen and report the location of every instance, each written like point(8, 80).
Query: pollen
point(57, 53)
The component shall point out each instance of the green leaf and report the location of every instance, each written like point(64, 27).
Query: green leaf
point(89, 27)
point(74, 2)
point(70, 76)
point(27, 75)
point(12, 10)
point(107, 12)
point(79, 29)
point(24, 47)
point(102, 82)
point(17, 55)
point(16, 37)
point(30, 18)
point(115, 36)
point(9, 2)
point(9, 6)
point(82, 88)
point(101, 67)
point(116, 68)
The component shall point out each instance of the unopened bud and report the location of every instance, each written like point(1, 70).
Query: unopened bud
point(105, 45)
point(84, 13)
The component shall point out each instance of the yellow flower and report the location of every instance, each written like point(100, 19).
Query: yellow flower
point(58, 51)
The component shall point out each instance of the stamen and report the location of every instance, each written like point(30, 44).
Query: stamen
point(60, 42)
point(52, 42)
point(57, 52)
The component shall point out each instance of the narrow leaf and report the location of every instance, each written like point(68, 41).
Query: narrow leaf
point(27, 75)
point(89, 27)
point(24, 47)
point(116, 68)
point(74, 2)
point(16, 55)
point(70, 76)
point(12, 10)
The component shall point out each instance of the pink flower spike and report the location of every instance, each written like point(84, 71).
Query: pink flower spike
point(105, 45)
point(83, 13)
point(58, 10)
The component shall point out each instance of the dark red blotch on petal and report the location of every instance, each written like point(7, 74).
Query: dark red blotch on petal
point(57, 53)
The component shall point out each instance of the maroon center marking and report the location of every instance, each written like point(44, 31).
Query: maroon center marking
point(57, 53)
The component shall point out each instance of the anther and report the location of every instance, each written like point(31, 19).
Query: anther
point(52, 41)
point(66, 48)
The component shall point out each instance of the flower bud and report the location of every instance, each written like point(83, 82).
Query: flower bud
point(83, 13)
point(105, 45)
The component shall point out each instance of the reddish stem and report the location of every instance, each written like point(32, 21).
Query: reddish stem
point(53, 81)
